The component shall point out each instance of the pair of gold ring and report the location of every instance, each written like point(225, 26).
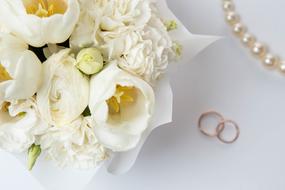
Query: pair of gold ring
point(220, 128)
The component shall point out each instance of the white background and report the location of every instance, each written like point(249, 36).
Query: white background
point(227, 79)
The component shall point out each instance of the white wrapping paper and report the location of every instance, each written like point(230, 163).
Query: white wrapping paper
point(53, 178)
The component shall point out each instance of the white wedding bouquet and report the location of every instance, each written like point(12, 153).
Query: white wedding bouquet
point(83, 81)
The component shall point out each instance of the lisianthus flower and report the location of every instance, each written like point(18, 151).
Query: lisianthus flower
point(64, 93)
point(20, 69)
point(39, 22)
point(20, 124)
point(74, 145)
point(121, 106)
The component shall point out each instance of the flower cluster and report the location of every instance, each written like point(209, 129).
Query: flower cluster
point(77, 77)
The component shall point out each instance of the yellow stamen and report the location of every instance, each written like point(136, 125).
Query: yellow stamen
point(4, 75)
point(127, 98)
point(114, 106)
point(123, 94)
point(43, 3)
point(51, 9)
point(45, 8)
point(41, 12)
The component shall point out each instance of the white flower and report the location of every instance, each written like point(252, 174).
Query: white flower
point(150, 56)
point(19, 125)
point(39, 22)
point(142, 41)
point(20, 69)
point(65, 90)
point(122, 106)
point(104, 22)
point(74, 145)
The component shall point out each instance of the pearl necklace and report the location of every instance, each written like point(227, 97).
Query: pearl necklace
point(258, 49)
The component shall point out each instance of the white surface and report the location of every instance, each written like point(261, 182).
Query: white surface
point(225, 78)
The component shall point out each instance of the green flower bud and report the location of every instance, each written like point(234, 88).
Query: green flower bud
point(90, 61)
point(171, 25)
point(177, 48)
point(33, 154)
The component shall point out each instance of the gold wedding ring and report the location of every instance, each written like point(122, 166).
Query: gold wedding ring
point(222, 124)
point(204, 116)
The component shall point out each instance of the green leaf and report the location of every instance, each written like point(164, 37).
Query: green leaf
point(33, 154)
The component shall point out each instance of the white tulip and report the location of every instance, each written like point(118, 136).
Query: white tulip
point(19, 125)
point(74, 145)
point(121, 106)
point(39, 22)
point(20, 69)
point(65, 90)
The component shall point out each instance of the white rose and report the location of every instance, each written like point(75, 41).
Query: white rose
point(65, 90)
point(74, 145)
point(112, 22)
point(19, 125)
point(122, 106)
point(149, 58)
point(20, 69)
point(39, 22)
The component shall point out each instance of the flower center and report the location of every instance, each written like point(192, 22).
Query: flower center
point(45, 8)
point(123, 95)
point(4, 75)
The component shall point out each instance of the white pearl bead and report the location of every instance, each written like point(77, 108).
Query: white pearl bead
point(258, 49)
point(248, 40)
point(239, 29)
point(270, 60)
point(228, 6)
point(232, 18)
point(282, 67)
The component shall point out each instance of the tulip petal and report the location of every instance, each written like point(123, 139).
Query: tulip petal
point(35, 30)
point(123, 131)
point(25, 70)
